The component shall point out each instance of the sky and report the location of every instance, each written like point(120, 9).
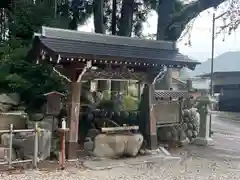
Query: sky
point(200, 36)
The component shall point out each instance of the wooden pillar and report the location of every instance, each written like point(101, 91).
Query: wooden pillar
point(73, 115)
point(147, 120)
point(73, 119)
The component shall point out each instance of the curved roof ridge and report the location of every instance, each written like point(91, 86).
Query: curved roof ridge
point(106, 39)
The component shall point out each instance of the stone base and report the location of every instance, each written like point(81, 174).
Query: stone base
point(152, 142)
point(71, 150)
point(203, 141)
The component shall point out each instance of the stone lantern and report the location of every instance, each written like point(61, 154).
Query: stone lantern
point(203, 105)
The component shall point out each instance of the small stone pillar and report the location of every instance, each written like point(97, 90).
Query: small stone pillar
point(203, 108)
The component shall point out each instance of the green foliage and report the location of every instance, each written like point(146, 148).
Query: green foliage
point(17, 74)
point(106, 95)
point(130, 103)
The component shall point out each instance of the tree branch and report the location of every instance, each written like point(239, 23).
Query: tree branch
point(181, 19)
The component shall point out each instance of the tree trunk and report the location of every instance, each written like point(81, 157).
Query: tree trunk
point(3, 22)
point(125, 29)
point(165, 9)
point(126, 19)
point(171, 26)
point(178, 21)
point(114, 17)
point(98, 12)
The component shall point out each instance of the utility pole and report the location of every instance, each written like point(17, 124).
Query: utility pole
point(212, 59)
point(212, 54)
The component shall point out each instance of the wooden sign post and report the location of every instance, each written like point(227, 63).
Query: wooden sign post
point(54, 100)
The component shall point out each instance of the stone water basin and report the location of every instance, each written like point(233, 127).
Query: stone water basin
point(114, 145)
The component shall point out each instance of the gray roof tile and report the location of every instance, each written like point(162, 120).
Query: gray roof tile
point(145, 51)
point(162, 94)
point(105, 39)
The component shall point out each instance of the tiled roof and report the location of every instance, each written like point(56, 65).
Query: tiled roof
point(145, 51)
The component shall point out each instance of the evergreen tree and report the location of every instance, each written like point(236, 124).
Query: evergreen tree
point(17, 73)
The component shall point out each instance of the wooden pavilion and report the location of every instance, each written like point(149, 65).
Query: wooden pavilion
point(88, 56)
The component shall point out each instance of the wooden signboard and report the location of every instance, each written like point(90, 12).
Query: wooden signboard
point(167, 113)
point(53, 104)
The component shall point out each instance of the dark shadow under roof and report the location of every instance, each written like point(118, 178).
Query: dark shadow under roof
point(78, 44)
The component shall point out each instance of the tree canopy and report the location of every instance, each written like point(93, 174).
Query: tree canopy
point(18, 74)
point(117, 17)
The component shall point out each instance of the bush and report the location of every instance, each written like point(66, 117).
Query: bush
point(130, 103)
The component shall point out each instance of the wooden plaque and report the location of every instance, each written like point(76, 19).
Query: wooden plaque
point(167, 113)
point(53, 104)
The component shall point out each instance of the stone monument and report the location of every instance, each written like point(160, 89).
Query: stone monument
point(203, 105)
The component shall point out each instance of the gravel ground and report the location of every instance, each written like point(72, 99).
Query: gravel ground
point(220, 162)
point(190, 167)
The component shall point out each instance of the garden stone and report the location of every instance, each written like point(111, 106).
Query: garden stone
point(5, 107)
point(4, 154)
point(184, 142)
point(36, 116)
point(195, 133)
point(184, 126)
point(15, 98)
point(187, 119)
point(189, 133)
point(182, 135)
point(186, 113)
point(193, 112)
point(190, 126)
point(47, 124)
point(5, 139)
point(88, 145)
point(25, 143)
point(7, 99)
point(17, 118)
